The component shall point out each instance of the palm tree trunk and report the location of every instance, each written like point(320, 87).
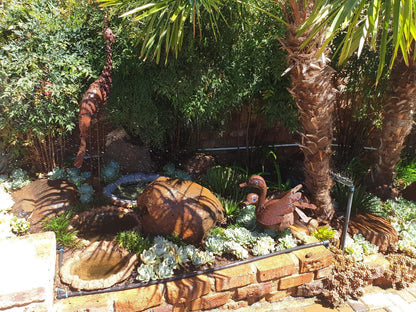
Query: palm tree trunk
point(397, 123)
point(315, 96)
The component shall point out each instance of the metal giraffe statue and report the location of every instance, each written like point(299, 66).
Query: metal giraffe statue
point(95, 97)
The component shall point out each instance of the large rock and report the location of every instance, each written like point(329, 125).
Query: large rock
point(43, 199)
point(181, 207)
point(131, 158)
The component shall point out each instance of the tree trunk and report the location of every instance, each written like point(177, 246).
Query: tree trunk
point(397, 123)
point(315, 96)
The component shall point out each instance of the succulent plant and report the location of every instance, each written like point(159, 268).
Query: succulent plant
point(240, 235)
point(77, 177)
point(236, 249)
point(182, 255)
point(146, 273)
point(202, 257)
point(163, 270)
point(149, 257)
point(111, 172)
point(85, 192)
point(215, 244)
point(57, 174)
point(347, 280)
point(263, 246)
point(286, 241)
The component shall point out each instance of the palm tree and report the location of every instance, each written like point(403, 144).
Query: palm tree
point(164, 26)
point(383, 25)
point(315, 96)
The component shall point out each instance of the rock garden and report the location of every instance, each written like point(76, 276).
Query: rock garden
point(186, 156)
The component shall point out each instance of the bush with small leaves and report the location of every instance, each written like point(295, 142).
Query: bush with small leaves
point(133, 241)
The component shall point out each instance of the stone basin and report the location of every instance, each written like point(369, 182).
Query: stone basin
point(133, 178)
point(100, 265)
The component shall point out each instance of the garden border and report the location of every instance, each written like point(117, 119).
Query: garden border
point(235, 285)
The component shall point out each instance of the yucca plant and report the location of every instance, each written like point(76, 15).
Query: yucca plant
point(362, 201)
point(230, 207)
point(225, 181)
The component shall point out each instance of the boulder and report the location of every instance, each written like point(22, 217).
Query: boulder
point(179, 207)
point(43, 199)
point(131, 157)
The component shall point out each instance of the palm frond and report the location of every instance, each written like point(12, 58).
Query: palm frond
point(375, 23)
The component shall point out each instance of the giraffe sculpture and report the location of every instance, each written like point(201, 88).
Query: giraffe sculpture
point(95, 97)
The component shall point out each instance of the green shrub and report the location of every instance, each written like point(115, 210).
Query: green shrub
point(225, 181)
point(362, 201)
point(47, 57)
point(60, 225)
point(406, 173)
point(133, 241)
point(201, 87)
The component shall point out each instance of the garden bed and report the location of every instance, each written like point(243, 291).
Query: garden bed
point(233, 285)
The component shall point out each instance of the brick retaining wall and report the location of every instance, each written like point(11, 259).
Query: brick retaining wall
point(268, 279)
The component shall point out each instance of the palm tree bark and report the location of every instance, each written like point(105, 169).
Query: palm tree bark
point(315, 96)
point(398, 120)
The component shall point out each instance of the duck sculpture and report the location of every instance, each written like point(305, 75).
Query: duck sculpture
point(276, 213)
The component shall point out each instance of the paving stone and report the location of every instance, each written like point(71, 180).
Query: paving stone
point(346, 308)
point(27, 272)
point(357, 305)
point(398, 304)
point(375, 300)
point(406, 295)
point(316, 308)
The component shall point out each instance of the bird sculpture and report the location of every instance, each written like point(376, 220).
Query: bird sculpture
point(276, 213)
point(95, 97)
